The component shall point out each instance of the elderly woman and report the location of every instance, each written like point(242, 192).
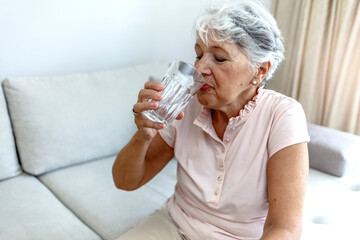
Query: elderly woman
point(241, 150)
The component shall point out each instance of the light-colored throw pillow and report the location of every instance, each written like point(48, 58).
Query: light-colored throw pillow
point(63, 120)
point(333, 151)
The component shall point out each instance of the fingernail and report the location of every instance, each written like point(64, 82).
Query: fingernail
point(158, 96)
point(160, 87)
point(153, 104)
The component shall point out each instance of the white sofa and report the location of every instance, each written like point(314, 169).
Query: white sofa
point(59, 137)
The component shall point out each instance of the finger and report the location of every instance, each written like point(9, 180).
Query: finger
point(144, 106)
point(144, 122)
point(146, 94)
point(157, 86)
point(180, 116)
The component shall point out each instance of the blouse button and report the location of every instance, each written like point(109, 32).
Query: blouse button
point(219, 178)
point(221, 165)
point(227, 139)
point(216, 192)
point(223, 150)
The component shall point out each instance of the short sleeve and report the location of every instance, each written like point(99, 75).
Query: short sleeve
point(289, 127)
point(168, 135)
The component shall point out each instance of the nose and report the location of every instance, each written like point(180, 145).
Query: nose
point(203, 66)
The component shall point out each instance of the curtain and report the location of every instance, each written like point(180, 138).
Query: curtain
point(322, 61)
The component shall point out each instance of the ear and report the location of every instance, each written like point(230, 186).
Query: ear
point(262, 71)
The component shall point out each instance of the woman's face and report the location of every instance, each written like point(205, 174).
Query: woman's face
point(226, 72)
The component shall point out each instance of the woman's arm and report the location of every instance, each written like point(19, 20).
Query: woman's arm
point(139, 161)
point(287, 173)
point(146, 153)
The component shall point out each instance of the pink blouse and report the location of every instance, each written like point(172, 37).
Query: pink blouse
point(221, 190)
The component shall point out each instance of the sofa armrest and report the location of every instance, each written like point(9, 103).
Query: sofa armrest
point(333, 151)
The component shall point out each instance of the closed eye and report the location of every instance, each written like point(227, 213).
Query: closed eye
point(220, 59)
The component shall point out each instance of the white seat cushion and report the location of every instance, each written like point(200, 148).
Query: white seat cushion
point(314, 231)
point(330, 203)
point(88, 190)
point(164, 182)
point(28, 210)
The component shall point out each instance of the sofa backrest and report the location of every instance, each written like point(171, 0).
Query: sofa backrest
point(64, 120)
point(9, 164)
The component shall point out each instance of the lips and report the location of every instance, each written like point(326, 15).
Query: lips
point(206, 87)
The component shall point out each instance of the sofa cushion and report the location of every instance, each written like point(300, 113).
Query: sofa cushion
point(9, 164)
point(316, 231)
point(333, 151)
point(88, 190)
point(30, 211)
point(164, 183)
point(63, 120)
point(332, 204)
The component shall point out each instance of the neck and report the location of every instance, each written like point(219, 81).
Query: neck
point(233, 109)
point(220, 117)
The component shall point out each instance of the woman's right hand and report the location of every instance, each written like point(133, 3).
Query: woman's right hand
point(147, 129)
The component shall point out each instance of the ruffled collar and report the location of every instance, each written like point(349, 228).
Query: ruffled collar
point(247, 109)
point(205, 115)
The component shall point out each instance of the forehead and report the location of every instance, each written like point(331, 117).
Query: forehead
point(214, 46)
point(227, 49)
point(211, 44)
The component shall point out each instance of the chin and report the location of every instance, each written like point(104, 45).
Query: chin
point(204, 100)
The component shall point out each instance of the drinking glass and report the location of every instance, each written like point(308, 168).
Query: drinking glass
point(181, 82)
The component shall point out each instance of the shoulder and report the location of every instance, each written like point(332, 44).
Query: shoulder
point(287, 122)
point(282, 112)
point(278, 98)
point(279, 103)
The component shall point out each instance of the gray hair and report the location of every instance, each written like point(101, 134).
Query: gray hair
point(248, 24)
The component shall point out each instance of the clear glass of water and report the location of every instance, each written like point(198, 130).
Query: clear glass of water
point(181, 82)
